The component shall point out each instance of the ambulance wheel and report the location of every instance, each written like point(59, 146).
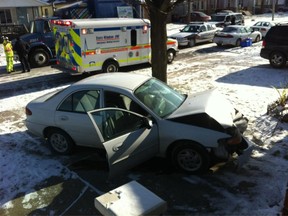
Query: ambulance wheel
point(39, 58)
point(110, 66)
point(170, 56)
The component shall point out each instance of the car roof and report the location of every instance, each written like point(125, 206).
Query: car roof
point(120, 80)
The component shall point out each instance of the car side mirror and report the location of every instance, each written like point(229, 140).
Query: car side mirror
point(148, 123)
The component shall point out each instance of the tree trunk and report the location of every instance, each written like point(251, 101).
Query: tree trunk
point(159, 44)
point(262, 6)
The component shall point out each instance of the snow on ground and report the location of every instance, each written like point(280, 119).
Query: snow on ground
point(248, 88)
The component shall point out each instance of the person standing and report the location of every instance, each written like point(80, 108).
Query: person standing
point(22, 49)
point(8, 49)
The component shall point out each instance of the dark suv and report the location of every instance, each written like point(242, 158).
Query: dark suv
point(275, 46)
point(222, 19)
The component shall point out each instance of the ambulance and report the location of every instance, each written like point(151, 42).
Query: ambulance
point(106, 44)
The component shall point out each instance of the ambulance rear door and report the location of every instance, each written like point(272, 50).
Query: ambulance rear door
point(139, 49)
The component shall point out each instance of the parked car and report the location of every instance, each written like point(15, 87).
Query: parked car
point(199, 16)
point(234, 34)
point(223, 19)
point(275, 46)
point(195, 33)
point(263, 27)
point(135, 117)
point(12, 31)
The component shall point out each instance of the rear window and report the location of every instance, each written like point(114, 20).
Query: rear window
point(229, 29)
point(278, 34)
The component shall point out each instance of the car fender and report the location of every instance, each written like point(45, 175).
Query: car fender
point(204, 136)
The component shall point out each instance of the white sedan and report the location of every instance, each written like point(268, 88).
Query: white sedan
point(235, 34)
point(263, 27)
point(136, 117)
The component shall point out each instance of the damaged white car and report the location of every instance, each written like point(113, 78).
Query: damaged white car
point(136, 117)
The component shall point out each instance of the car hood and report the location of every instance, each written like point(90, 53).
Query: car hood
point(210, 102)
point(182, 34)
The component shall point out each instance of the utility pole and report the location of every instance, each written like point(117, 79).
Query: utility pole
point(189, 11)
point(273, 9)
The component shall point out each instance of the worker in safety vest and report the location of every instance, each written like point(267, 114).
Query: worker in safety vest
point(8, 49)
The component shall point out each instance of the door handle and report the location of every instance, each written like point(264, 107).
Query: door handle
point(63, 118)
point(116, 147)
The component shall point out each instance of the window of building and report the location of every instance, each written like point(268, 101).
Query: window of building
point(5, 16)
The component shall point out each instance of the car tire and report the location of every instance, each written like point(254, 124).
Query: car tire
point(277, 60)
point(190, 157)
point(39, 58)
point(191, 42)
point(170, 56)
point(257, 39)
point(60, 142)
point(238, 42)
point(110, 67)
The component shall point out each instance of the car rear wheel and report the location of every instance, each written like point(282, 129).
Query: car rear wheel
point(60, 142)
point(238, 42)
point(277, 60)
point(170, 56)
point(110, 67)
point(257, 39)
point(190, 158)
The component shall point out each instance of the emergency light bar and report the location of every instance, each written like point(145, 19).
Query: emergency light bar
point(62, 22)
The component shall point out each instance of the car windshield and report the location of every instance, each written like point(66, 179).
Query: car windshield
point(200, 14)
point(190, 28)
point(229, 29)
point(158, 97)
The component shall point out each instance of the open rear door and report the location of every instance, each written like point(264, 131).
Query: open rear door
point(127, 138)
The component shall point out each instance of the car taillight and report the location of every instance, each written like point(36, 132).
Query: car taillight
point(28, 112)
point(263, 44)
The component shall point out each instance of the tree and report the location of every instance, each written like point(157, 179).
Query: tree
point(158, 11)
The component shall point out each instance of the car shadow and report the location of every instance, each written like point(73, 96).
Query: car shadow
point(262, 75)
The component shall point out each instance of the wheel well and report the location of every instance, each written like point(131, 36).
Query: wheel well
point(178, 142)
point(48, 129)
point(32, 49)
point(172, 50)
point(110, 60)
point(277, 51)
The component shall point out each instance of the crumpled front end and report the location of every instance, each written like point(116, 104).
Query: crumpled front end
point(210, 110)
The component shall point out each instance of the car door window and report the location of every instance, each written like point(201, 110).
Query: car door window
point(81, 102)
point(114, 99)
point(202, 29)
point(113, 122)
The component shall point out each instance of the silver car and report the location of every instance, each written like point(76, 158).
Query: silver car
point(263, 27)
point(136, 117)
point(195, 33)
point(235, 34)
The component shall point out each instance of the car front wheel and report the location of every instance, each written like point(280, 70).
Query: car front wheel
point(190, 158)
point(191, 43)
point(277, 60)
point(170, 56)
point(60, 142)
point(39, 58)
